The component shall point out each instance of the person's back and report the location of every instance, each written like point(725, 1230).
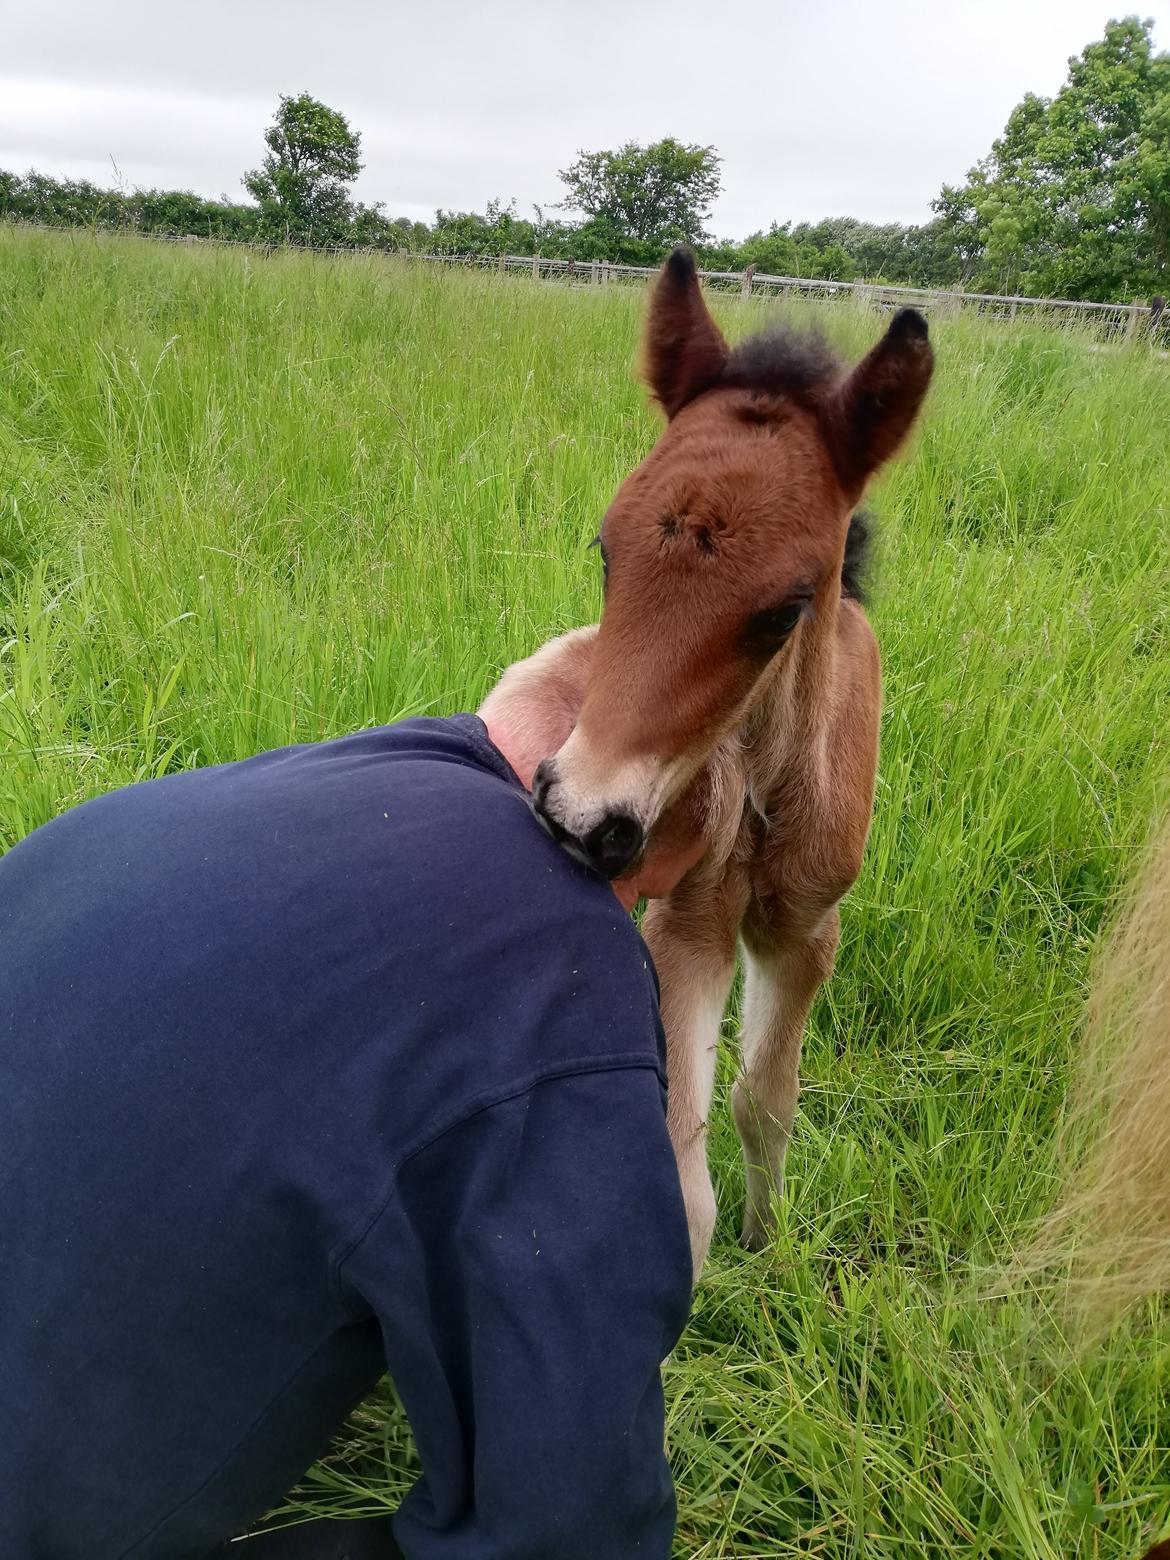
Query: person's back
point(309, 1065)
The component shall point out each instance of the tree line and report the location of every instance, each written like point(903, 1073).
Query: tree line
point(1072, 200)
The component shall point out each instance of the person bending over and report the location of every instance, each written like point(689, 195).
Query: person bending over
point(318, 1065)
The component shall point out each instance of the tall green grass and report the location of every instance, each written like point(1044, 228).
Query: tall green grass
point(250, 501)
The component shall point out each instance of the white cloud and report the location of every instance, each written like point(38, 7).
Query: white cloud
point(817, 111)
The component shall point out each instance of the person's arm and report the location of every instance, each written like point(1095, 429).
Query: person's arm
point(531, 1272)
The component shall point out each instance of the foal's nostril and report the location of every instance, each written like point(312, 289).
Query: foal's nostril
point(611, 846)
point(615, 843)
point(542, 782)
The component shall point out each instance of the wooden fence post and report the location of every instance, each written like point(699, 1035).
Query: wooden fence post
point(536, 268)
point(745, 290)
point(500, 263)
point(1133, 324)
point(593, 272)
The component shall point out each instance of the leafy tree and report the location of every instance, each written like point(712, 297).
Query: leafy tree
point(371, 228)
point(499, 231)
point(78, 203)
point(37, 197)
point(719, 254)
point(600, 238)
point(772, 252)
point(834, 264)
point(180, 213)
point(655, 195)
point(956, 235)
point(843, 249)
point(1074, 198)
point(555, 238)
point(302, 186)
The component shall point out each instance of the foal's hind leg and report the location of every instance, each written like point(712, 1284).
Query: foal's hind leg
point(691, 935)
point(781, 979)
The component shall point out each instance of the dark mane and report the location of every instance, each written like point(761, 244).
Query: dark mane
point(781, 361)
point(858, 550)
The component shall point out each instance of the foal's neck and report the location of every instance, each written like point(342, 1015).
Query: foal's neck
point(785, 733)
point(800, 696)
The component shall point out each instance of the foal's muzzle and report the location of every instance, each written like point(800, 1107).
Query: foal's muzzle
point(610, 846)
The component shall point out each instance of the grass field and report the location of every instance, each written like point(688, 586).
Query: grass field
point(250, 501)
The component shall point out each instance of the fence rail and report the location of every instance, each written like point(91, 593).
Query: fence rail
point(1127, 318)
point(754, 283)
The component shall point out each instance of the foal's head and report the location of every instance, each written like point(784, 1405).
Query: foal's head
point(718, 551)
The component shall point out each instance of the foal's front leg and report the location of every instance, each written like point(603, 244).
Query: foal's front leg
point(691, 935)
point(780, 981)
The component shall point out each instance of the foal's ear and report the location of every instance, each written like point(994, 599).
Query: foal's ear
point(685, 353)
point(875, 408)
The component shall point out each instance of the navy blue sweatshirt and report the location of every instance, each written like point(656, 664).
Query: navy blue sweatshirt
point(313, 1066)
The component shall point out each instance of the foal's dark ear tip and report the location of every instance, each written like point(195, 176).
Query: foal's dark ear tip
point(908, 326)
point(680, 265)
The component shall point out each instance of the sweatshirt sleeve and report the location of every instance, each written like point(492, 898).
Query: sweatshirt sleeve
point(530, 1273)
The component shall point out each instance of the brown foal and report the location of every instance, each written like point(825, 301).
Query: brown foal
point(714, 740)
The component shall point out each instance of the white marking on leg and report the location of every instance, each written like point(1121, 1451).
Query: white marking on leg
point(693, 1006)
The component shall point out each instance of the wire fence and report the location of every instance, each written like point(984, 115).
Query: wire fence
point(1111, 319)
point(1127, 318)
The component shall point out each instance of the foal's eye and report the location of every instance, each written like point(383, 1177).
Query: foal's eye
point(767, 630)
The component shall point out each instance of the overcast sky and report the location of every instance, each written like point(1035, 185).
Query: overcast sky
point(818, 110)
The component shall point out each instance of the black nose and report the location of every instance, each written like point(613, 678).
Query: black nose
point(614, 844)
point(542, 782)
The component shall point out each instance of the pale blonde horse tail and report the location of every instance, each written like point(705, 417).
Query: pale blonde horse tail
point(1108, 1239)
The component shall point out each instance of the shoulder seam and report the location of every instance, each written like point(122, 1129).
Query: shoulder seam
point(622, 1061)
